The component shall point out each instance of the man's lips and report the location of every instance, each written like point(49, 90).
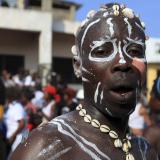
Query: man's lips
point(122, 93)
point(123, 89)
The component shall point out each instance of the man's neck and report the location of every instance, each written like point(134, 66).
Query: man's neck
point(117, 124)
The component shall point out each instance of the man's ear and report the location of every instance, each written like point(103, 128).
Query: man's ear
point(77, 66)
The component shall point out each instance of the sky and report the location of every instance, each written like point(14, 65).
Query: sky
point(149, 11)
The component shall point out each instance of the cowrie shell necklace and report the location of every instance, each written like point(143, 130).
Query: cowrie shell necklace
point(124, 144)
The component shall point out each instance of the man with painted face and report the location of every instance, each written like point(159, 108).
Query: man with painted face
point(109, 56)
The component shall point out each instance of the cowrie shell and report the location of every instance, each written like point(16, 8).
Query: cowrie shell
point(87, 118)
point(82, 112)
point(129, 157)
point(115, 7)
point(104, 129)
point(79, 107)
point(113, 134)
point(95, 123)
point(125, 147)
point(116, 13)
point(128, 143)
point(118, 143)
point(128, 13)
point(91, 13)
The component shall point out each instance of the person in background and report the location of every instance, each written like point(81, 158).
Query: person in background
point(48, 110)
point(80, 96)
point(31, 110)
point(14, 117)
point(69, 101)
point(154, 102)
point(139, 120)
point(7, 79)
point(3, 147)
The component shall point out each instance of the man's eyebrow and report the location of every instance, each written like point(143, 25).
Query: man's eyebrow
point(136, 40)
point(100, 42)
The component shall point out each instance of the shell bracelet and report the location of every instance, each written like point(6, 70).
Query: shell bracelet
point(124, 144)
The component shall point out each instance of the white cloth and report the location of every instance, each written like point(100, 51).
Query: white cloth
point(14, 113)
point(28, 81)
point(135, 119)
point(47, 110)
point(38, 100)
point(17, 80)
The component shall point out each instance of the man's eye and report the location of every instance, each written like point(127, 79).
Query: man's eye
point(103, 51)
point(135, 53)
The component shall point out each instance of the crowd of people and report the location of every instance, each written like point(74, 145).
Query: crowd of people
point(25, 104)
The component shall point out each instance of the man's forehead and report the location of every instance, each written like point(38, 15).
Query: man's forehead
point(114, 27)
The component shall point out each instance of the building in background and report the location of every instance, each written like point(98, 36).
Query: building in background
point(39, 34)
point(153, 59)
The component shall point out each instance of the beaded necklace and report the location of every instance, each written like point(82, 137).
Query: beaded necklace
point(124, 145)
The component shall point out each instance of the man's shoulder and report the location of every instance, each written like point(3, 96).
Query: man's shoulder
point(46, 140)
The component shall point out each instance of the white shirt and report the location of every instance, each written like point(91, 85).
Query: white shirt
point(14, 113)
point(135, 119)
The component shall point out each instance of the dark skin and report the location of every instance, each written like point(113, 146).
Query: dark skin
point(66, 134)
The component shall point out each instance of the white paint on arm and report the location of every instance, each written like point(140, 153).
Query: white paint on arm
point(59, 154)
point(90, 144)
point(93, 155)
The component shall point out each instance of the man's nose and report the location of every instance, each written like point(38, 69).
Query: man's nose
point(121, 67)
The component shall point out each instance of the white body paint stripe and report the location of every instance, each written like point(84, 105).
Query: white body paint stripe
point(129, 26)
point(83, 139)
point(101, 96)
point(110, 26)
point(130, 42)
point(104, 59)
point(139, 26)
point(122, 60)
point(109, 112)
point(143, 153)
point(59, 154)
point(86, 71)
point(96, 92)
point(88, 27)
point(85, 79)
point(81, 145)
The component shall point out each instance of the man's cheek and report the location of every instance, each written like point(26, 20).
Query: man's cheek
point(141, 67)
